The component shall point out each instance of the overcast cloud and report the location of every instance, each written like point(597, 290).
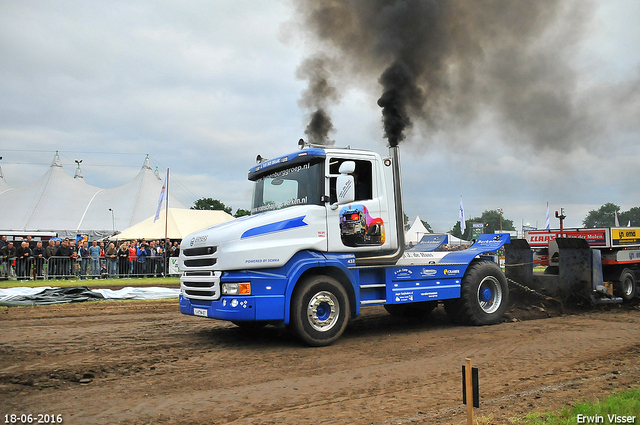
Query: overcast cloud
point(205, 86)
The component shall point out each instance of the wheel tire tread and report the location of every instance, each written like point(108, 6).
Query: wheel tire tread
point(461, 310)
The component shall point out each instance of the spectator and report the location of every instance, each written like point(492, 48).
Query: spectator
point(103, 262)
point(63, 263)
point(123, 260)
point(50, 251)
point(160, 261)
point(112, 260)
point(3, 242)
point(23, 260)
point(94, 251)
point(75, 258)
point(133, 254)
point(167, 253)
point(38, 259)
point(8, 255)
point(155, 260)
point(85, 259)
point(143, 253)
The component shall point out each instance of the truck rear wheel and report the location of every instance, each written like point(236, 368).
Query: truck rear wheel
point(412, 310)
point(484, 295)
point(319, 311)
point(626, 287)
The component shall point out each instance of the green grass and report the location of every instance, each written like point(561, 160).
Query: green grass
point(93, 283)
point(621, 403)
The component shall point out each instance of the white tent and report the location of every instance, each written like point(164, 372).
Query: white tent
point(3, 183)
point(181, 223)
point(69, 206)
point(415, 232)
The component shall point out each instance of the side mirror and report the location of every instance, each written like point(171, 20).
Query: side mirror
point(345, 185)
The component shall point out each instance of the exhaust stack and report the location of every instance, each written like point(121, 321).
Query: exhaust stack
point(393, 257)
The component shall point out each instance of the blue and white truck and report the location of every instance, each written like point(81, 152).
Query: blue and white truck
point(293, 263)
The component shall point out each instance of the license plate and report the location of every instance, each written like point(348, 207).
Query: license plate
point(200, 312)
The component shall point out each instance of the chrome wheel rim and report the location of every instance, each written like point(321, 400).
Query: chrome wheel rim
point(489, 294)
point(323, 311)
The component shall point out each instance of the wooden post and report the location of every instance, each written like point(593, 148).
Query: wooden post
point(469, 391)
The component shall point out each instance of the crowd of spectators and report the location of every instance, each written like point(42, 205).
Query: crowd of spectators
point(60, 258)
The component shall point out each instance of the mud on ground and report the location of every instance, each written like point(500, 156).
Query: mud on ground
point(144, 362)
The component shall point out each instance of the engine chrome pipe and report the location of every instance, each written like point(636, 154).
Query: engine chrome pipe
point(394, 256)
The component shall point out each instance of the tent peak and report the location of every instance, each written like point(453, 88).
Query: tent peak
point(146, 164)
point(78, 174)
point(56, 161)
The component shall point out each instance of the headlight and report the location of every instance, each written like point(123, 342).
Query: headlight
point(236, 288)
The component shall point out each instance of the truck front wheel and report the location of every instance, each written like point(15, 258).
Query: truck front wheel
point(484, 295)
point(319, 311)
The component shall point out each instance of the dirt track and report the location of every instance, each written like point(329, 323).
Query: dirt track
point(144, 362)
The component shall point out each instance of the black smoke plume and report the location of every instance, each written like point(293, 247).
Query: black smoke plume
point(317, 97)
point(444, 63)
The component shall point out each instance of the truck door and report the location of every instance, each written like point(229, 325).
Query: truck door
point(362, 224)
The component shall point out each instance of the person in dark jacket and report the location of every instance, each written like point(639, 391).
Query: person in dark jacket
point(23, 261)
point(143, 253)
point(38, 259)
point(8, 254)
point(64, 259)
point(85, 258)
point(123, 260)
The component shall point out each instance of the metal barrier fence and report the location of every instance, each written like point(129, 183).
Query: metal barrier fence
point(82, 268)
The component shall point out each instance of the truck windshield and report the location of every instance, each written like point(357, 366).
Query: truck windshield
point(299, 184)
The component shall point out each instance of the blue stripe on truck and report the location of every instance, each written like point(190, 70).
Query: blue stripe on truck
point(279, 226)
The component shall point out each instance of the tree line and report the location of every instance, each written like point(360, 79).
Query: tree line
point(215, 204)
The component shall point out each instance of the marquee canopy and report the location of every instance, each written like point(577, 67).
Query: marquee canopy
point(181, 223)
point(69, 206)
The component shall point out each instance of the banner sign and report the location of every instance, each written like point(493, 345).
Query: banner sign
point(625, 236)
point(173, 265)
point(541, 238)
point(430, 242)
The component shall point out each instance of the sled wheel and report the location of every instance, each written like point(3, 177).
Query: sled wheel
point(419, 310)
point(626, 287)
point(484, 295)
point(319, 311)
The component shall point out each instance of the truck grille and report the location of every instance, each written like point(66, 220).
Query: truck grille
point(196, 283)
point(201, 285)
point(205, 250)
point(200, 262)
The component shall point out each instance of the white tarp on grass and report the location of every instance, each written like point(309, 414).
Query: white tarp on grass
point(49, 295)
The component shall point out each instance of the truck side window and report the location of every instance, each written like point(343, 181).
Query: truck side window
point(362, 177)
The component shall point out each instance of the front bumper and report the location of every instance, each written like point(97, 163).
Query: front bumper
point(237, 308)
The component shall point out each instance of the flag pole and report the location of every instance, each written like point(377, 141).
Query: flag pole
point(166, 225)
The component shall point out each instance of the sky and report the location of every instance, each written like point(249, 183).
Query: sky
point(203, 87)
